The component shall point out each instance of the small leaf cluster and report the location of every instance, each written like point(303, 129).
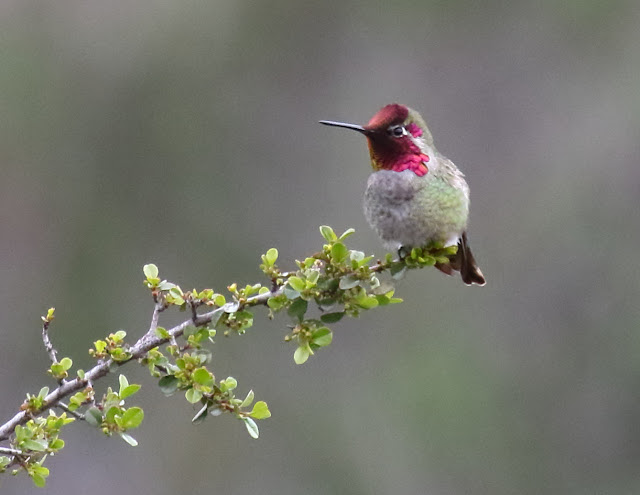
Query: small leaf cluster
point(231, 315)
point(111, 416)
point(184, 364)
point(48, 318)
point(429, 255)
point(81, 398)
point(112, 347)
point(339, 280)
point(34, 403)
point(153, 282)
point(221, 398)
point(186, 369)
point(60, 369)
point(37, 439)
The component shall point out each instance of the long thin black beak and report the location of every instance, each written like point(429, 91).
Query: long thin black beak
point(355, 127)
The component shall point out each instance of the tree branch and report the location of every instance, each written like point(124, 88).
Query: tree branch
point(341, 282)
point(147, 342)
point(45, 337)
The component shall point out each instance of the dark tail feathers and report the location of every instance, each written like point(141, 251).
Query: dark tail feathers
point(465, 263)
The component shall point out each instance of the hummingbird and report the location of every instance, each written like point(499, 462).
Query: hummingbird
point(415, 195)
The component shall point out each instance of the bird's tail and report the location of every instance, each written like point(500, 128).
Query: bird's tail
point(465, 263)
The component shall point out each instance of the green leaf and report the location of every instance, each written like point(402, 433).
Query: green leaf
point(328, 233)
point(249, 290)
point(339, 252)
point(216, 315)
point(290, 293)
point(93, 416)
point(202, 376)
point(349, 282)
point(229, 384)
point(296, 283)
point(150, 270)
point(346, 234)
point(312, 277)
point(76, 400)
point(111, 414)
point(252, 427)
point(100, 346)
point(328, 284)
point(398, 270)
point(322, 337)
point(367, 302)
point(132, 417)
point(44, 391)
point(168, 384)
point(128, 438)
point(164, 285)
point(192, 395)
point(356, 255)
point(37, 445)
point(387, 298)
point(56, 444)
point(231, 307)
point(271, 256)
point(361, 262)
point(57, 371)
point(39, 476)
point(162, 333)
point(298, 308)
point(66, 363)
point(38, 480)
point(21, 433)
point(204, 355)
point(302, 354)
point(260, 411)
point(332, 317)
point(246, 317)
point(122, 380)
point(326, 303)
point(275, 303)
point(248, 399)
point(177, 296)
point(129, 390)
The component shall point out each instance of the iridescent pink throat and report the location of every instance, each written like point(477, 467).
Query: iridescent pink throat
point(415, 160)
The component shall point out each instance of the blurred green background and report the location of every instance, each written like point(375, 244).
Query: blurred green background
point(185, 134)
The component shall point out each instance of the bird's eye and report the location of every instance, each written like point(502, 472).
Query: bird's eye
point(397, 131)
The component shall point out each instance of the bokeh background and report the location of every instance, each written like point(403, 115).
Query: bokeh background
point(185, 134)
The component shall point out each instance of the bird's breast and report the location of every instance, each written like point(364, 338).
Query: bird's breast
point(408, 210)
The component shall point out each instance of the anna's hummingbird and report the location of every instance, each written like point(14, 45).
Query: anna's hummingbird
point(415, 195)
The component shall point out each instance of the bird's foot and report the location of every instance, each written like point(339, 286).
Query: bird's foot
point(403, 252)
